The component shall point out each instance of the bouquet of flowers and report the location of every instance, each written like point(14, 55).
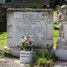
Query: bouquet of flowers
point(25, 44)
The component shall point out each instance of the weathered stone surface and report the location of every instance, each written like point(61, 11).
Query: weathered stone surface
point(62, 54)
point(35, 23)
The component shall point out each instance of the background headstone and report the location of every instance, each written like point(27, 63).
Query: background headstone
point(61, 50)
point(2, 1)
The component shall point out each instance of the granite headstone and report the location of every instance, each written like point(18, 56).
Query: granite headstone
point(35, 23)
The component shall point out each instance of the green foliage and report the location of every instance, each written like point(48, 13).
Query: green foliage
point(34, 57)
point(55, 13)
point(56, 32)
point(25, 46)
point(9, 53)
point(49, 55)
point(2, 55)
point(44, 60)
point(55, 37)
point(3, 40)
point(44, 56)
point(37, 4)
point(53, 56)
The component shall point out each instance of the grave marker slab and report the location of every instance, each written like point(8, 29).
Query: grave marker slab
point(35, 23)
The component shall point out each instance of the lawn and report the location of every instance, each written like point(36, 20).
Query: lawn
point(55, 37)
point(56, 32)
point(3, 40)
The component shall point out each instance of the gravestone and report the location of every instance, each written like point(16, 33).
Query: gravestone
point(2, 1)
point(61, 50)
point(35, 23)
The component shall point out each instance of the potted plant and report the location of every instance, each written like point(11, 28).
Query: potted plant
point(25, 50)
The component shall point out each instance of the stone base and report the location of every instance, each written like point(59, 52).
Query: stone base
point(62, 54)
point(25, 57)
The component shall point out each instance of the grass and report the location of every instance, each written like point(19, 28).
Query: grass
point(55, 37)
point(56, 32)
point(55, 14)
point(3, 40)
